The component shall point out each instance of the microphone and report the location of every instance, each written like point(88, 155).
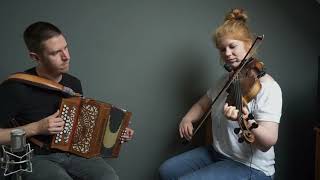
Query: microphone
point(18, 141)
point(17, 156)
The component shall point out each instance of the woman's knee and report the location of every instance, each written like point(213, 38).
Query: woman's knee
point(167, 170)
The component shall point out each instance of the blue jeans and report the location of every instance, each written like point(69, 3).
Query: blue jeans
point(60, 166)
point(205, 163)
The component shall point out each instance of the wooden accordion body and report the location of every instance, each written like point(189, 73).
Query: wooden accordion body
point(91, 128)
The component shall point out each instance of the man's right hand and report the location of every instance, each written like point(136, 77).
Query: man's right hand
point(51, 124)
point(186, 129)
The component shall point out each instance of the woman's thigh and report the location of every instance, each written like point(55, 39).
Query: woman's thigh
point(224, 170)
point(187, 162)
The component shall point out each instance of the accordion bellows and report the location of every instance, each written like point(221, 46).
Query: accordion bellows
point(91, 128)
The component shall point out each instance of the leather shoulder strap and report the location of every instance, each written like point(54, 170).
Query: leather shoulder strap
point(42, 83)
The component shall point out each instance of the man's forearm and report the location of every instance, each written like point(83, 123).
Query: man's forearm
point(30, 129)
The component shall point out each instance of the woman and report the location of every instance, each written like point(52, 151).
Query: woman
point(227, 158)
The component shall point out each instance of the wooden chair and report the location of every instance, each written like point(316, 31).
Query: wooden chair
point(317, 154)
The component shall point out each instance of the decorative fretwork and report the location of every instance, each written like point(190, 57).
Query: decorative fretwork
point(87, 121)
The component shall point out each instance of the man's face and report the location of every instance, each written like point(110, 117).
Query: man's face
point(54, 56)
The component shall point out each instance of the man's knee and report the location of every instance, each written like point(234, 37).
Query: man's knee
point(54, 175)
point(107, 172)
point(110, 175)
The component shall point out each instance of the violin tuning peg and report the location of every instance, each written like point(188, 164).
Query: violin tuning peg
point(250, 116)
point(254, 126)
point(241, 139)
point(236, 130)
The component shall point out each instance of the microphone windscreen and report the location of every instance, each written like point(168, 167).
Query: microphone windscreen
point(18, 140)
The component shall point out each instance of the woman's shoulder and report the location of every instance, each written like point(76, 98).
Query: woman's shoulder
point(268, 80)
point(269, 83)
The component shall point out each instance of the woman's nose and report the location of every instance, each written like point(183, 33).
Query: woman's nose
point(228, 52)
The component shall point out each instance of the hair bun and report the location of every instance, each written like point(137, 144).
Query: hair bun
point(237, 15)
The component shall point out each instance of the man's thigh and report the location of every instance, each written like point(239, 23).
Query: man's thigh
point(45, 169)
point(94, 168)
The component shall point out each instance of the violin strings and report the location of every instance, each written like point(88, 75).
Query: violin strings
point(238, 98)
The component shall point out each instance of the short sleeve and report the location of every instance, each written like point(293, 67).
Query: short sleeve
point(269, 102)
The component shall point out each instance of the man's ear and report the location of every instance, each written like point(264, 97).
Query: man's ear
point(34, 56)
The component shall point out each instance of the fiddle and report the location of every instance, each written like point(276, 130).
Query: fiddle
point(253, 70)
point(243, 89)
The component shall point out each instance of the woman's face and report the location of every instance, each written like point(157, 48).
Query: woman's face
point(232, 51)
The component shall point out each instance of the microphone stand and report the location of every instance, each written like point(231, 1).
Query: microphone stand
point(17, 156)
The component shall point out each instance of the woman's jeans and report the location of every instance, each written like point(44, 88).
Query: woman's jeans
point(204, 163)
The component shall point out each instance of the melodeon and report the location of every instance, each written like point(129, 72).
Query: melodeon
point(91, 128)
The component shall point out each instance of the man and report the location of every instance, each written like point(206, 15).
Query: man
point(36, 109)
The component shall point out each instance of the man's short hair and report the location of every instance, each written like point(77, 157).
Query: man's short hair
point(38, 32)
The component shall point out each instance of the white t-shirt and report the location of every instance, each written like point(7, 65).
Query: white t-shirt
point(266, 106)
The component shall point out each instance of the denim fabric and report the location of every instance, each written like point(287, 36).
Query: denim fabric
point(60, 166)
point(205, 163)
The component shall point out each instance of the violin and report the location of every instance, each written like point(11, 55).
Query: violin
point(243, 85)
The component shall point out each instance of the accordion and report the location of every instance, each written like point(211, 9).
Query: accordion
point(91, 128)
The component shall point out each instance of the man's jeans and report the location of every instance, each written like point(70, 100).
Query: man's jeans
point(205, 163)
point(60, 166)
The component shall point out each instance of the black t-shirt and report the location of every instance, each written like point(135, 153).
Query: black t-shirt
point(27, 103)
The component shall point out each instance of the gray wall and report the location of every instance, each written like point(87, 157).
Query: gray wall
point(155, 59)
